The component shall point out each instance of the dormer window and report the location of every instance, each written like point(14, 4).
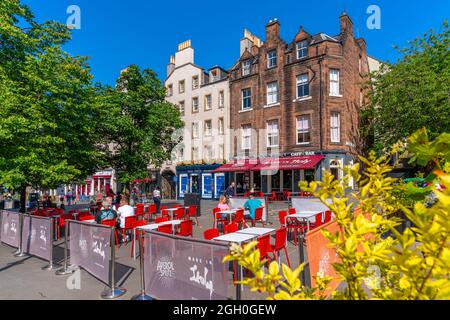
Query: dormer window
point(302, 49)
point(246, 67)
point(272, 59)
point(214, 76)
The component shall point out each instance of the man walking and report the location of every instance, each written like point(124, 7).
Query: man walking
point(231, 190)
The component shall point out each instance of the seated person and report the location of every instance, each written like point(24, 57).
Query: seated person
point(106, 212)
point(223, 205)
point(125, 210)
point(252, 204)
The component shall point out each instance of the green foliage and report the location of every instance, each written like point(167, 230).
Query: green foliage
point(138, 122)
point(414, 264)
point(412, 93)
point(47, 115)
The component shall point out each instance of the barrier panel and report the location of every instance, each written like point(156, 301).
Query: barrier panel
point(37, 238)
point(10, 228)
point(91, 249)
point(178, 268)
point(236, 203)
point(320, 256)
point(308, 204)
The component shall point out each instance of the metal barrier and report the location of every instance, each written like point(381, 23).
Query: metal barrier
point(180, 268)
point(92, 248)
point(10, 231)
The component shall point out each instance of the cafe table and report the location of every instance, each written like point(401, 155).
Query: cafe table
point(154, 226)
point(304, 216)
point(171, 210)
point(239, 238)
point(256, 231)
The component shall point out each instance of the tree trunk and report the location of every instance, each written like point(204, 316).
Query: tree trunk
point(23, 199)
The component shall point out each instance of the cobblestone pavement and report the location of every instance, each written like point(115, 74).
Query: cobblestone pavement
point(22, 278)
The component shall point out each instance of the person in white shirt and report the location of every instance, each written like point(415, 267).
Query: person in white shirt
point(125, 210)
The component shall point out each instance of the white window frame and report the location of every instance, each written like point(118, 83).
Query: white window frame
point(170, 90)
point(208, 152)
point(335, 82)
point(246, 67)
point(302, 129)
point(302, 46)
point(184, 86)
point(182, 107)
point(272, 93)
point(195, 130)
point(270, 60)
point(302, 80)
point(221, 125)
point(208, 131)
point(197, 109)
point(246, 137)
point(221, 99)
point(195, 85)
point(335, 127)
point(249, 97)
point(272, 133)
point(208, 106)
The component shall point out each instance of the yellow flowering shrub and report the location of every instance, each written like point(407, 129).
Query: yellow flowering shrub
point(376, 260)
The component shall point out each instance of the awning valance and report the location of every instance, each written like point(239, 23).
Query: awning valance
point(243, 165)
point(288, 163)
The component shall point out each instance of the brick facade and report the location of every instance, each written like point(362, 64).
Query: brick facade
point(342, 52)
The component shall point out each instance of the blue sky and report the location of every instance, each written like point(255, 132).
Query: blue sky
point(115, 33)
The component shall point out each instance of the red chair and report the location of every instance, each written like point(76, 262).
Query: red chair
point(192, 213)
point(280, 244)
point(83, 214)
point(129, 225)
point(327, 216)
point(161, 219)
point(139, 223)
point(258, 217)
point(239, 218)
point(218, 218)
point(163, 208)
point(273, 197)
point(317, 222)
point(176, 206)
point(165, 228)
point(185, 228)
point(264, 247)
point(292, 211)
point(246, 194)
point(180, 213)
point(84, 218)
point(112, 223)
point(139, 209)
point(211, 234)
point(306, 194)
point(151, 210)
point(290, 224)
point(230, 228)
point(288, 195)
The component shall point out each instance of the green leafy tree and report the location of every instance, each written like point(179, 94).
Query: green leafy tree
point(411, 93)
point(139, 123)
point(48, 121)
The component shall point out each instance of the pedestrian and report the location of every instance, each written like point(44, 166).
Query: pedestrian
point(157, 198)
point(69, 197)
point(125, 210)
point(231, 190)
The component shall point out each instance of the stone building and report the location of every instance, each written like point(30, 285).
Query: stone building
point(294, 106)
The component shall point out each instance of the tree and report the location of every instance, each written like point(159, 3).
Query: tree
point(139, 123)
point(48, 121)
point(412, 93)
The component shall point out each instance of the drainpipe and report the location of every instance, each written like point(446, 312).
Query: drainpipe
point(320, 111)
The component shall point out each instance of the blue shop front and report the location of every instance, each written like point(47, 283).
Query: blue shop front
point(200, 179)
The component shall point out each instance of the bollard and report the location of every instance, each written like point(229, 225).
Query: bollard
point(142, 296)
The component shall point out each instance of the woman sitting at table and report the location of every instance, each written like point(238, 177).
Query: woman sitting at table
point(106, 212)
point(223, 205)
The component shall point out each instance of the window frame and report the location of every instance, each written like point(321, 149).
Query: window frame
point(221, 99)
point(304, 132)
point(221, 126)
point(198, 82)
point(246, 69)
point(192, 105)
point(245, 127)
point(170, 90)
point(270, 59)
point(302, 49)
point(302, 83)
point(335, 127)
point(182, 110)
point(205, 128)
point(195, 130)
point(210, 102)
point(184, 86)
point(249, 98)
point(335, 83)
point(272, 94)
point(271, 134)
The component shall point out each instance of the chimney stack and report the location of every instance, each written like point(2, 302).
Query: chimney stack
point(248, 41)
point(273, 29)
point(170, 66)
point(346, 24)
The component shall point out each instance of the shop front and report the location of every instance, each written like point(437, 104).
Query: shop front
point(201, 179)
point(269, 175)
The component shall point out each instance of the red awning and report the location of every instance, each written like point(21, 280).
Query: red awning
point(288, 163)
point(244, 165)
